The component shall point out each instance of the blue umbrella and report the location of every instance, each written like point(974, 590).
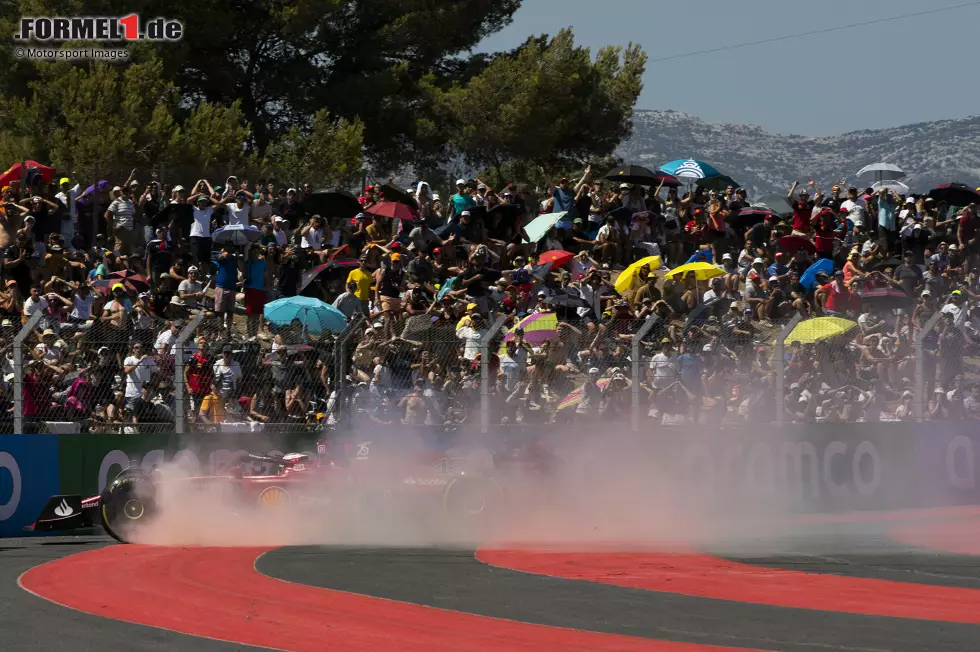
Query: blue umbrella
point(446, 288)
point(689, 170)
point(703, 255)
point(315, 315)
point(809, 278)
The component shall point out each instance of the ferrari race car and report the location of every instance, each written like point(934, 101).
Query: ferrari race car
point(351, 477)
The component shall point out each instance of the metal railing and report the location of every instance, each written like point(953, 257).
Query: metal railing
point(482, 376)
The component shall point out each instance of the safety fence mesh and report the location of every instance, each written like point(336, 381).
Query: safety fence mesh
point(442, 370)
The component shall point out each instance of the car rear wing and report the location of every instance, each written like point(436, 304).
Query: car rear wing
point(67, 512)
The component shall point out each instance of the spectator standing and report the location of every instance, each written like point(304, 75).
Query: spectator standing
point(255, 283)
point(226, 286)
point(228, 374)
point(139, 368)
point(120, 215)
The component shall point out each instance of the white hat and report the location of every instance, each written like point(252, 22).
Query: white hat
point(910, 200)
point(278, 218)
point(726, 257)
point(179, 188)
point(593, 371)
point(953, 247)
point(192, 268)
point(758, 261)
point(460, 182)
point(464, 213)
point(436, 197)
point(542, 293)
point(291, 190)
point(773, 278)
point(116, 189)
point(623, 186)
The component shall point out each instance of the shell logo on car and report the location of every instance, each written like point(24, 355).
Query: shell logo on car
point(273, 497)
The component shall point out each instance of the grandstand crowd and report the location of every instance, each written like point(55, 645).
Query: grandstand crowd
point(118, 271)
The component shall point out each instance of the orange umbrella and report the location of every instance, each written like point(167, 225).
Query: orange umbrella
point(557, 258)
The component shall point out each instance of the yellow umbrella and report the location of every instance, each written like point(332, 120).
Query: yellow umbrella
point(702, 271)
point(819, 328)
point(625, 280)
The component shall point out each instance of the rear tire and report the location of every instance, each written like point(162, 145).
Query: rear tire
point(126, 503)
point(472, 499)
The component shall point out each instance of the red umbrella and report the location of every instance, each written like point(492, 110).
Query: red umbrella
point(138, 281)
point(14, 173)
point(791, 243)
point(104, 286)
point(391, 209)
point(557, 258)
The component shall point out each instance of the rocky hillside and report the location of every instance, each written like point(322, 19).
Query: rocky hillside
point(930, 152)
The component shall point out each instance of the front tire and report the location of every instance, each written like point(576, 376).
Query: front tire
point(126, 504)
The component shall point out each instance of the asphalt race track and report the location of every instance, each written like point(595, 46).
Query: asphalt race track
point(902, 582)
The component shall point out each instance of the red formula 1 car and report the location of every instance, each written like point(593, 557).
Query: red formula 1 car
point(351, 478)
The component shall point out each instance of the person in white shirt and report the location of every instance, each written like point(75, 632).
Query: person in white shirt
point(228, 373)
point(202, 197)
point(312, 234)
point(81, 304)
point(662, 366)
point(67, 197)
point(471, 336)
point(35, 302)
point(239, 208)
point(856, 211)
point(279, 230)
point(139, 368)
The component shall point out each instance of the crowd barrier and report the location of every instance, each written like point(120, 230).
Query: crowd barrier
point(808, 468)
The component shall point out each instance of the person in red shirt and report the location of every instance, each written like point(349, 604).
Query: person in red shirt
point(836, 296)
point(803, 207)
point(197, 375)
point(824, 233)
point(968, 235)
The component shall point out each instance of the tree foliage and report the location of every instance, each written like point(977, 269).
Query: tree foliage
point(268, 84)
point(548, 103)
point(328, 155)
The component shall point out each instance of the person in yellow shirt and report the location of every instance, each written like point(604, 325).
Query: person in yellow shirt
point(467, 319)
point(362, 276)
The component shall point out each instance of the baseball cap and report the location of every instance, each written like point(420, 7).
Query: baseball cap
point(624, 186)
point(758, 261)
point(192, 268)
point(773, 278)
point(118, 286)
point(471, 306)
point(726, 257)
point(226, 348)
point(464, 214)
point(63, 180)
point(437, 250)
point(460, 182)
point(179, 188)
point(396, 257)
point(910, 200)
point(780, 254)
point(116, 188)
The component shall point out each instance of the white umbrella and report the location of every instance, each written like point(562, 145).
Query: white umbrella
point(236, 234)
point(539, 226)
point(896, 187)
point(882, 172)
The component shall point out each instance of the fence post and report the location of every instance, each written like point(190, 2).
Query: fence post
point(340, 360)
point(920, 381)
point(781, 366)
point(19, 370)
point(485, 373)
point(635, 376)
point(180, 413)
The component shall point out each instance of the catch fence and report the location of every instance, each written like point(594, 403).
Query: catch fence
point(482, 374)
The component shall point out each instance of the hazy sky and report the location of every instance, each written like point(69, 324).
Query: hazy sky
point(894, 73)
